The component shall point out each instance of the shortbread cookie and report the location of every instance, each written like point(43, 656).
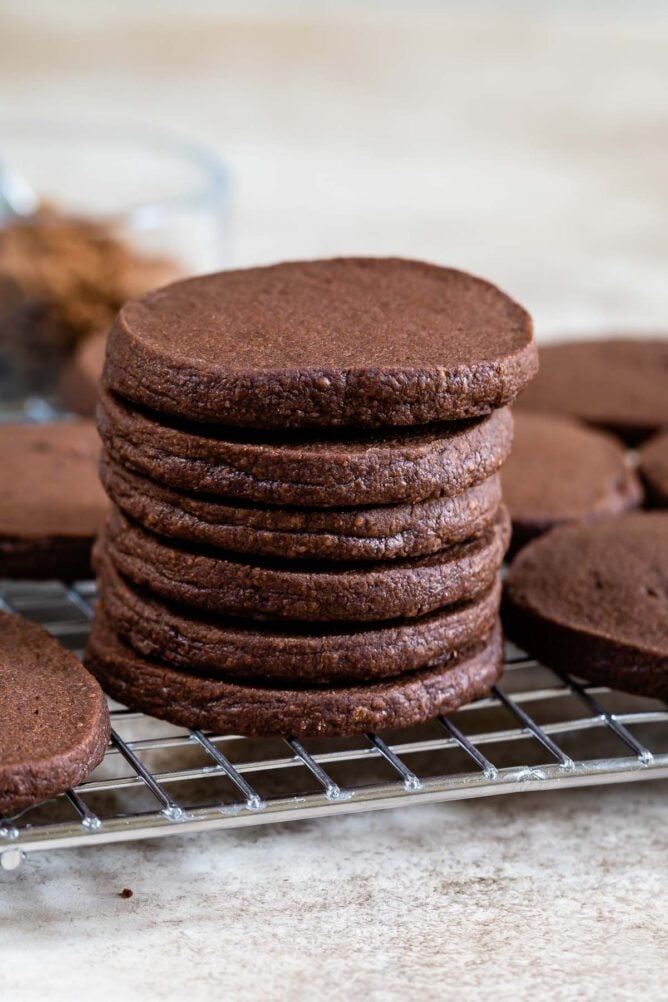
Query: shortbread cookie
point(654, 470)
point(616, 383)
point(228, 707)
point(51, 502)
point(349, 342)
point(308, 591)
point(562, 472)
point(322, 471)
point(294, 652)
point(366, 533)
point(593, 601)
point(54, 722)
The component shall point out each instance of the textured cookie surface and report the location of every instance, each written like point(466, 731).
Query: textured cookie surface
point(560, 472)
point(345, 342)
point(366, 533)
point(300, 653)
point(320, 470)
point(654, 469)
point(54, 724)
point(618, 383)
point(593, 600)
point(51, 501)
point(213, 704)
point(268, 588)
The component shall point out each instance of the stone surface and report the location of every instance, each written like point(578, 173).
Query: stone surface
point(385, 906)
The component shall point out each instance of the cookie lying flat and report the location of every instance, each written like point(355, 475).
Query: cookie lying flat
point(372, 468)
point(54, 723)
point(223, 707)
point(619, 384)
point(593, 600)
point(372, 533)
point(51, 501)
point(561, 472)
point(356, 342)
point(267, 588)
point(292, 652)
point(81, 378)
point(654, 470)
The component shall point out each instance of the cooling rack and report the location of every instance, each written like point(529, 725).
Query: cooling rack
point(538, 730)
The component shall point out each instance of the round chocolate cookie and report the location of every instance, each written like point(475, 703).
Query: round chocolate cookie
point(81, 378)
point(51, 501)
point(358, 469)
point(297, 653)
point(268, 588)
point(357, 342)
point(224, 707)
point(559, 472)
point(618, 383)
point(374, 533)
point(593, 600)
point(54, 722)
point(654, 470)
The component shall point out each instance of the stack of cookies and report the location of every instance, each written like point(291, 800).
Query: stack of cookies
point(307, 527)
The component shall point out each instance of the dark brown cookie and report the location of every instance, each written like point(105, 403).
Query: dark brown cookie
point(560, 472)
point(308, 591)
point(51, 501)
point(216, 705)
point(358, 469)
point(593, 600)
point(654, 470)
point(617, 383)
point(54, 723)
point(372, 533)
point(81, 377)
point(355, 342)
point(289, 652)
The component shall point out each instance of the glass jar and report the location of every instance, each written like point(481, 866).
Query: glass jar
point(90, 216)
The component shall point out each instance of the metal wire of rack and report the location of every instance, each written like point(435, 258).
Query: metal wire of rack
point(158, 780)
point(538, 730)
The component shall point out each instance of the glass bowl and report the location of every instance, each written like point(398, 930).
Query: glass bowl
point(168, 196)
point(158, 211)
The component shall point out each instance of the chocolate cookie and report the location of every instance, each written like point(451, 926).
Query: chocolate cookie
point(654, 470)
point(81, 377)
point(593, 600)
point(375, 533)
point(51, 501)
point(292, 652)
point(561, 471)
point(54, 722)
point(355, 342)
point(358, 469)
point(268, 588)
point(216, 705)
point(618, 383)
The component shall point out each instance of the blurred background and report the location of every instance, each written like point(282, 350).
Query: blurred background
point(524, 142)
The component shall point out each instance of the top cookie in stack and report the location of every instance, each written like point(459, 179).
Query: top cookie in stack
point(304, 461)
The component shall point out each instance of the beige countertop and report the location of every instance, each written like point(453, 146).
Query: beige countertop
point(545, 896)
point(531, 148)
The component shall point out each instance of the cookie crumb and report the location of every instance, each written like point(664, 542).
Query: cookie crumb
point(126, 893)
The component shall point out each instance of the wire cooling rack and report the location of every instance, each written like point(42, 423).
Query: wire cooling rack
point(538, 730)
